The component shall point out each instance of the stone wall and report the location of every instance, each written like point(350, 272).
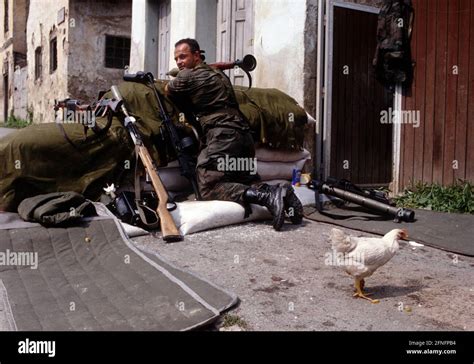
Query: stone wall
point(87, 74)
point(43, 24)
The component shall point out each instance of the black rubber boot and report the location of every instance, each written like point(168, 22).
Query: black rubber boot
point(272, 197)
point(293, 205)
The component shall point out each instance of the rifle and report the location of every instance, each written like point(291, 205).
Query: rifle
point(374, 200)
point(168, 227)
point(182, 146)
point(96, 109)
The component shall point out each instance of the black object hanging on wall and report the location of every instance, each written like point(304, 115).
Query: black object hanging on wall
point(392, 61)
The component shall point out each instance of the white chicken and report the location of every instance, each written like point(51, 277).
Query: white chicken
point(361, 256)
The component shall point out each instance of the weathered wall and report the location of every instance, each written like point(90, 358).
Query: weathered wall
point(310, 76)
point(20, 93)
point(7, 68)
point(4, 36)
point(87, 74)
point(41, 26)
point(279, 45)
point(13, 54)
point(144, 34)
point(19, 25)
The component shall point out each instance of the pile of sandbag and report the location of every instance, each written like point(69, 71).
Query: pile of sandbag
point(272, 165)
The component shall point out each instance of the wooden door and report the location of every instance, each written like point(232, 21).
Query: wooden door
point(360, 144)
point(234, 34)
point(164, 15)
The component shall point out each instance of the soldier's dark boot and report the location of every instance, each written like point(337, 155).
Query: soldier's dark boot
point(272, 197)
point(293, 205)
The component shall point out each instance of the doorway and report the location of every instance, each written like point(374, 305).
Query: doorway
point(356, 145)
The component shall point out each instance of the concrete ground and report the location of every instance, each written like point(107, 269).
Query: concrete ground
point(284, 283)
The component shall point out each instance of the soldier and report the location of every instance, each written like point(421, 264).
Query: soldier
point(208, 94)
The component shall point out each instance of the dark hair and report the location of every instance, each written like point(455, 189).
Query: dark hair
point(193, 46)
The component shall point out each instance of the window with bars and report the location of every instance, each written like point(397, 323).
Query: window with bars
point(38, 62)
point(117, 51)
point(53, 54)
point(6, 19)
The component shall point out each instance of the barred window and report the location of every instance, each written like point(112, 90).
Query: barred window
point(53, 55)
point(6, 19)
point(38, 62)
point(117, 51)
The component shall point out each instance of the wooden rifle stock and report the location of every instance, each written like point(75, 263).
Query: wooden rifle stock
point(169, 229)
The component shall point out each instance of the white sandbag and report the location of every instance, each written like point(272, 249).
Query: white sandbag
point(278, 170)
point(279, 155)
point(193, 216)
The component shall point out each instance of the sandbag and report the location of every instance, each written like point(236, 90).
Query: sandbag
point(281, 155)
point(278, 170)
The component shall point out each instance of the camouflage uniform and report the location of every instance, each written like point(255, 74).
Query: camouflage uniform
point(209, 95)
point(392, 60)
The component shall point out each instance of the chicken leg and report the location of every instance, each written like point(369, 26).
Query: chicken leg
point(358, 283)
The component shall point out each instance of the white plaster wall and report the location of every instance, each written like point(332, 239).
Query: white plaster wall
point(206, 28)
point(137, 47)
point(279, 45)
point(183, 23)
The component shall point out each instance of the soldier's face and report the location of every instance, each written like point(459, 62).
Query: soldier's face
point(185, 58)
